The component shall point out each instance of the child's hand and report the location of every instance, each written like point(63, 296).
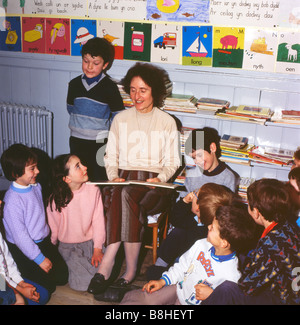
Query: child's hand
point(46, 265)
point(97, 257)
point(188, 198)
point(154, 285)
point(28, 291)
point(203, 291)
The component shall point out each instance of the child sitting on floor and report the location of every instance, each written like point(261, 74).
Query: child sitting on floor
point(27, 233)
point(76, 219)
point(268, 275)
point(207, 264)
point(13, 289)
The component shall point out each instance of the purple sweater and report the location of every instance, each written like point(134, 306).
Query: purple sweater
point(25, 220)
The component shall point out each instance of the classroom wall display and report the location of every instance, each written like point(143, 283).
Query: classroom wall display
point(228, 47)
point(197, 45)
point(261, 35)
point(117, 9)
point(260, 49)
point(178, 10)
point(81, 31)
point(137, 41)
point(165, 43)
point(263, 13)
point(113, 31)
point(288, 60)
point(58, 36)
point(33, 35)
point(10, 34)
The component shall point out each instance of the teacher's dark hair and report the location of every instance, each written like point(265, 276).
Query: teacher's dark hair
point(155, 77)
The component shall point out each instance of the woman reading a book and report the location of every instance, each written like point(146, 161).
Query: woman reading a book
point(143, 144)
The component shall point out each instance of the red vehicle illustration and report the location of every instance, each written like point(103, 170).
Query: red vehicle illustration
point(167, 40)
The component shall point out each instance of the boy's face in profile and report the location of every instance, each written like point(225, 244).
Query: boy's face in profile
point(92, 66)
point(30, 173)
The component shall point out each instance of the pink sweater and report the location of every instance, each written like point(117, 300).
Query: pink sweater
point(81, 220)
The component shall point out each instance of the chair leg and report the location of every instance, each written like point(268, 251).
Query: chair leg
point(154, 244)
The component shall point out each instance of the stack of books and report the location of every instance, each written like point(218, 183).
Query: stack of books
point(184, 134)
point(211, 105)
point(125, 97)
point(286, 117)
point(245, 182)
point(235, 149)
point(246, 113)
point(270, 155)
point(181, 103)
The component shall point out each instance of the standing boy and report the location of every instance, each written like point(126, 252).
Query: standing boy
point(93, 100)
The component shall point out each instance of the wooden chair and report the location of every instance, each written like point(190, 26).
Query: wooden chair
point(159, 230)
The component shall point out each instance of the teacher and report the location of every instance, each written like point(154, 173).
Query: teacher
point(143, 144)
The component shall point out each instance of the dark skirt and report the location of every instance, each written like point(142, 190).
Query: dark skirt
point(127, 207)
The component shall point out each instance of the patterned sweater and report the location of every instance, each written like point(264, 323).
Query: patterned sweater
point(270, 265)
point(92, 107)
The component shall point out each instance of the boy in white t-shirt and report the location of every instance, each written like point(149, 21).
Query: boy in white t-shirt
point(207, 264)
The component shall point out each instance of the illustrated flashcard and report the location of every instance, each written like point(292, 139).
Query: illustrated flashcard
point(137, 41)
point(260, 49)
point(33, 31)
point(113, 31)
point(165, 46)
point(228, 47)
point(10, 34)
point(288, 53)
point(58, 36)
point(81, 31)
point(178, 10)
point(197, 45)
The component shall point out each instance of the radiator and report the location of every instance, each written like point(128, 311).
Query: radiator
point(29, 125)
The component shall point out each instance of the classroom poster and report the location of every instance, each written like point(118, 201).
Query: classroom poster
point(260, 49)
point(117, 9)
point(10, 34)
point(165, 44)
point(65, 8)
point(137, 41)
point(58, 36)
point(262, 13)
point(288, 54)
point(33, 35)
point(228, 47)
point(113, 31)
point(178, 10)
point(197, 45)
point(81, 31)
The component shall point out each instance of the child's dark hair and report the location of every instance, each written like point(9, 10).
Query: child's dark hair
point(202, 139)
point(271, 198)
point(297, 154)
point(295, 174)
point(99, 47)
point(153, 76)
point(237, 226)
point(15, 159)
point(61, 193)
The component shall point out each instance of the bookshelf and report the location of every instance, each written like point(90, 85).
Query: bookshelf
point(278, 135)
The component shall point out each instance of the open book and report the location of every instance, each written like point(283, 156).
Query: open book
point(171, 186)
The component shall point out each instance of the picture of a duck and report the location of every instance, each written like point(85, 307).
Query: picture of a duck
point(108, 37)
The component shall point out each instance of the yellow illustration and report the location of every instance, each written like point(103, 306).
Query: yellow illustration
point(35, 34)
point(228, 38)
point(168, 6)
point(260, 46)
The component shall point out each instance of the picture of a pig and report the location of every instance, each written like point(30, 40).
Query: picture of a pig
point(229, 40)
